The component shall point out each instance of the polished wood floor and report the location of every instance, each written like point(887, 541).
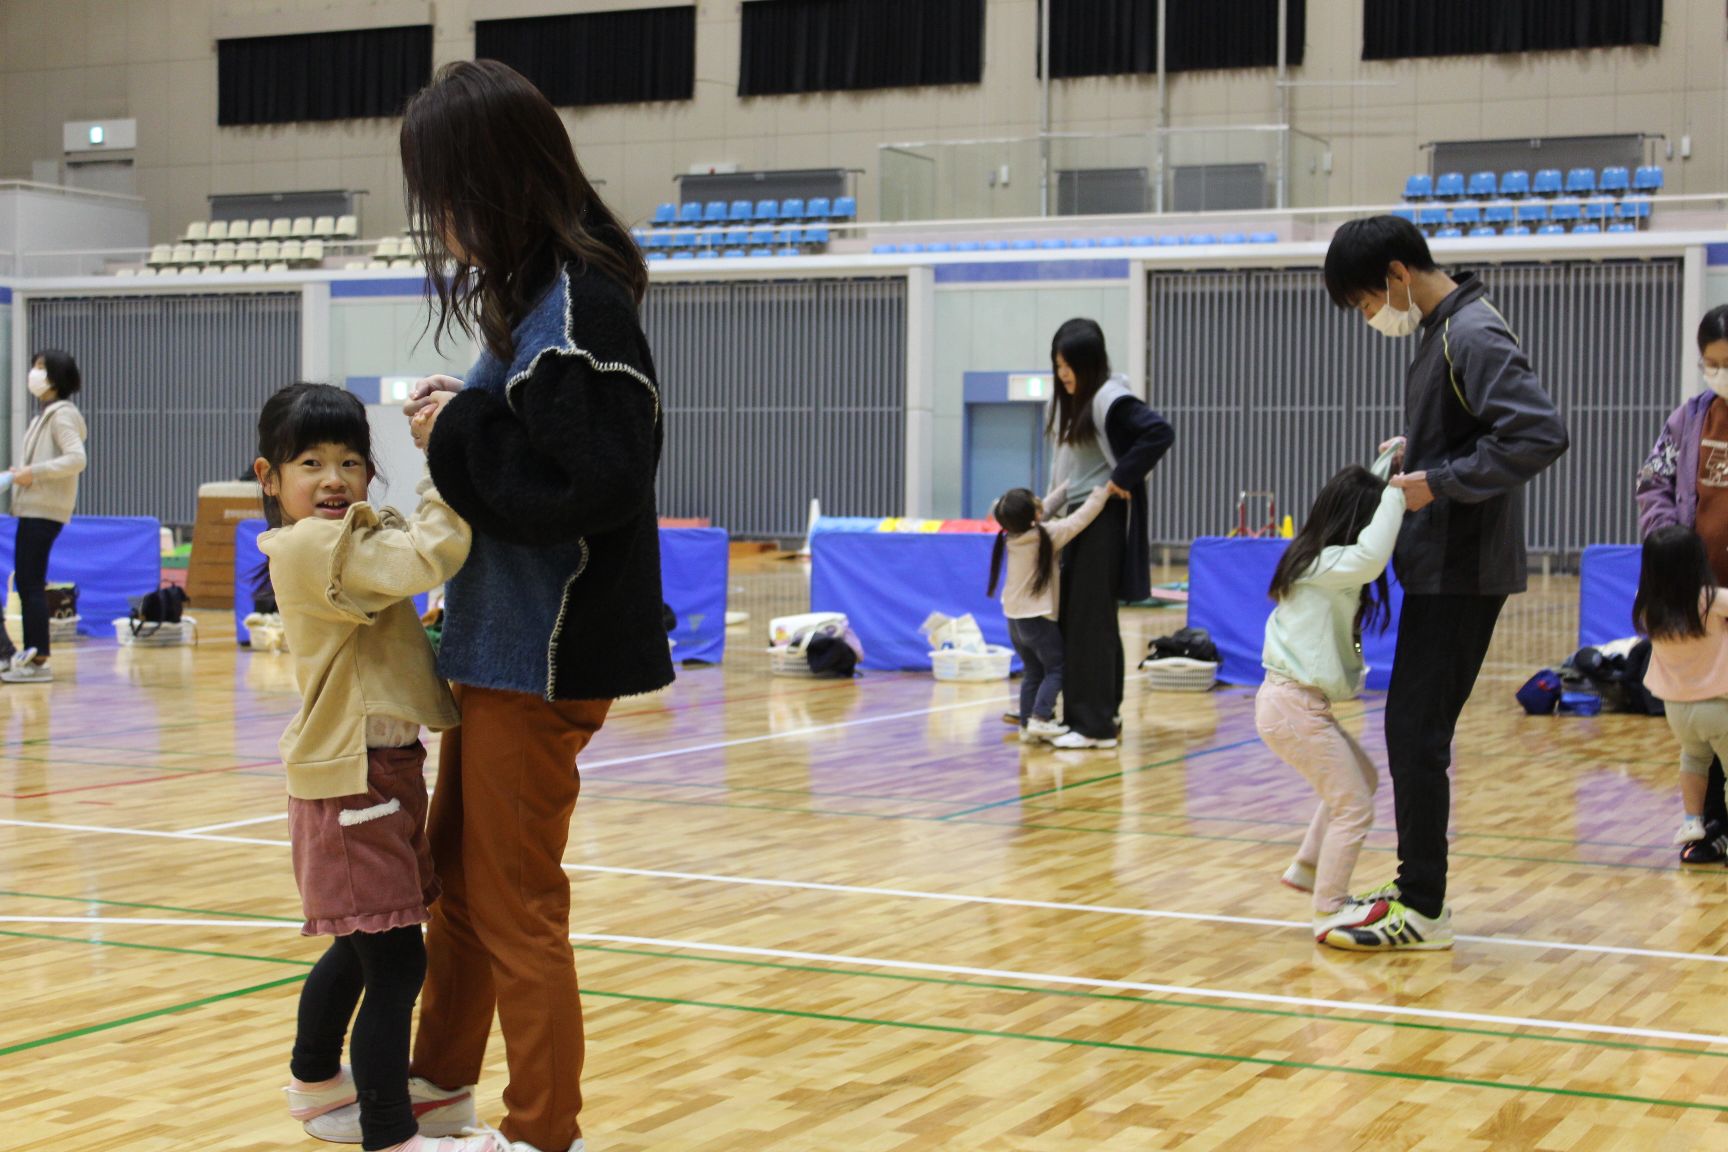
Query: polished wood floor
point(819, 916)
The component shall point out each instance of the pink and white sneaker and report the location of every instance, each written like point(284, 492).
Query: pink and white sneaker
point(440, 1114)
point(308, 1104)
point(473, 1140)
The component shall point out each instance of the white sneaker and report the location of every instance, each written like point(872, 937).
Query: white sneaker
point(1042, 730)
point(580, 1145)
point(307, 1104)
point(1396, 929)
point(1350, 914)
point(25, 670)
point(1298, 876)
point(1074, 740)
point(439, 1113)
point(1691, 829)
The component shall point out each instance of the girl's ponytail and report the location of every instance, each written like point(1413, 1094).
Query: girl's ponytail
point(1046, 561)
point(996, 552)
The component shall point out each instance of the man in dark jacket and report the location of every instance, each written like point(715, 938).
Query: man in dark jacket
point(1478, 427)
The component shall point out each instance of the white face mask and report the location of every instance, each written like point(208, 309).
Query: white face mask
point(37, 382)
point(1390, 321)
point(1717, 379)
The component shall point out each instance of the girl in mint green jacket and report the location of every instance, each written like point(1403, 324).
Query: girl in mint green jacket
point(1329, 586)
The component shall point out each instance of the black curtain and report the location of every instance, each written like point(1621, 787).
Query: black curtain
point(1120, 37)
point(630, 57)
point(844, 45)
point(321, 75)
point(1400, 29)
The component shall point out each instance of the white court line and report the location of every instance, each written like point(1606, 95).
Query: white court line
point(1171, 989)
point(955, 897)
point(1060, 979)
point(671, 752)
point(1115, 910)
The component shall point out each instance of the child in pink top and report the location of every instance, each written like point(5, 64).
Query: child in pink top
point(1686, 618)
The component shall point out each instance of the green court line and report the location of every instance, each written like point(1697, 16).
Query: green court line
point(109, 1025)
point(156, 948)
point(1180, 1053)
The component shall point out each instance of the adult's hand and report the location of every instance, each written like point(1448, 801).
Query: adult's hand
point(427, 387)
point(1117, 492)
point(1398, 459)
point(1417, 494)
point(420, 424)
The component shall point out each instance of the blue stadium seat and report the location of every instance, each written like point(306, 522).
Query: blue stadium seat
point(761, 251)
point(787, 251)
point(908, 249)
point(1598, 211)
point(1483, 184)
point(1516, 230)
point(846, 208)
point(1448, 234)
point(1419, 186)
point(1497, 214)
point(1142, 241)
point(1481, 231)
point(715, 214)
point(967, 246)
point(1548, 182)
point(1580, 181)
point(1233, 238)
point(659, 240)
point(817, 209)
point(1587, 229)
point(1052, 243)
point(1200, 238)
point(789, 237)
point(1113, 242)
point(665, 214)
point(657, 254)
point(680, 239)
point(817, 235)
point(733, 253)
point(1531, 213)
point(882, 249)
point(767, 210)
point(740, 211)
point(1616, 181)
point(738, 238)
point(1551, 230)
point(1169, 240)
point(1567, 213)
point(690, 215)
point(686, 254)
point(1405, 214)
point(1431, 217)
point(1466, 214)
point(1515, 183)
point(1647, 179)
point(995, 246)
point(1023, 245)
point(1633, 208)
point(1450, 186)
point(939, 247)
point(792, 209)
point(1082, 242)
point(1262, 237)
point(1622, 226)
point(708, 254)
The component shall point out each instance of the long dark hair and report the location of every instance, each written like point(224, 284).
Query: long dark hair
point(1080, 343)
point(1017, 512)
point(301, 415)
point(486, 163)
point(1673, 583)
point(1343, 508)
point(63, 374)
point(1713, 327)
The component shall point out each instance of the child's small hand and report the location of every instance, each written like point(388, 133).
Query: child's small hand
point(420, 425)
point(427, 387)
point(1398, 458)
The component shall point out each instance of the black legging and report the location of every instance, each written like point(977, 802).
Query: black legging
point(389, 968)
point(1091, 583)
point(30, 571)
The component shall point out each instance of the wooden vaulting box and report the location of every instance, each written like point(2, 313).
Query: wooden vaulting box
point(221, 506)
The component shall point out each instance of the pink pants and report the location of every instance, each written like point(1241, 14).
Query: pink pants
point(1296, 722)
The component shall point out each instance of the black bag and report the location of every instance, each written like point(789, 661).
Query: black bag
point(154, 609)
point(62, 601)
point(1619, 680)
point(1189, 643)
point(830, 656)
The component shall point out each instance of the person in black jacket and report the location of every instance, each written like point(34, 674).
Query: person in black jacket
point(549, 450)
point(1105, 436)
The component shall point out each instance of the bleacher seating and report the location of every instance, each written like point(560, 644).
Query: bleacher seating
point(1515, 183)
point(1581, 182)
point(1483, 184)
point(1616, 181)
point(1548, 182)
point(1450, 186)
point(1648, 179)
point(1419, 186)
point(1573, 200)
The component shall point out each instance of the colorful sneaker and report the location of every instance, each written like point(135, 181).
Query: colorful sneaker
point(1711, 848)
point(480, 1139)
point(1300, 877)
point(1037, 729)
point(1387, 891)
point(1349, 915)
point(440, 1113)
point(307, 1104)
point(1397, 929)
point(25, 670)
point(1691, 829)
point(1074, 740)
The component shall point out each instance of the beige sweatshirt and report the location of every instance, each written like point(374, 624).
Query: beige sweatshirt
point(1019, 602)
point(360, 652)
point(54, 450)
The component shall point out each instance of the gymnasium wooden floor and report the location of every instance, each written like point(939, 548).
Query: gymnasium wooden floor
point(819, 916)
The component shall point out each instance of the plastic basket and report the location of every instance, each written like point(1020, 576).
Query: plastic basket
point(994, 663)
point(1180, 674)
point(166, 636)
point(789, 660)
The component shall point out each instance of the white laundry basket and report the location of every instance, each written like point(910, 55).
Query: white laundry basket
point(993, 663)
point(1180, 674)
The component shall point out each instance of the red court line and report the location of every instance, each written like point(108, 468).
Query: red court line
point(140, 780)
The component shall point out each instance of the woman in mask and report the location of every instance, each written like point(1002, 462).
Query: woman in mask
point(1685, 481)
point(44, 488)
point(1105, 437)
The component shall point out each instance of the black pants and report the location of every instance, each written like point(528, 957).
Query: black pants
point(30, 572)
point(1091, 583)
point(389, 968)
point(1442, 641)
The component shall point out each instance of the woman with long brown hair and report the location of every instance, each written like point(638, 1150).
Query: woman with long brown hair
point(1105, 437)
point(548, 449)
